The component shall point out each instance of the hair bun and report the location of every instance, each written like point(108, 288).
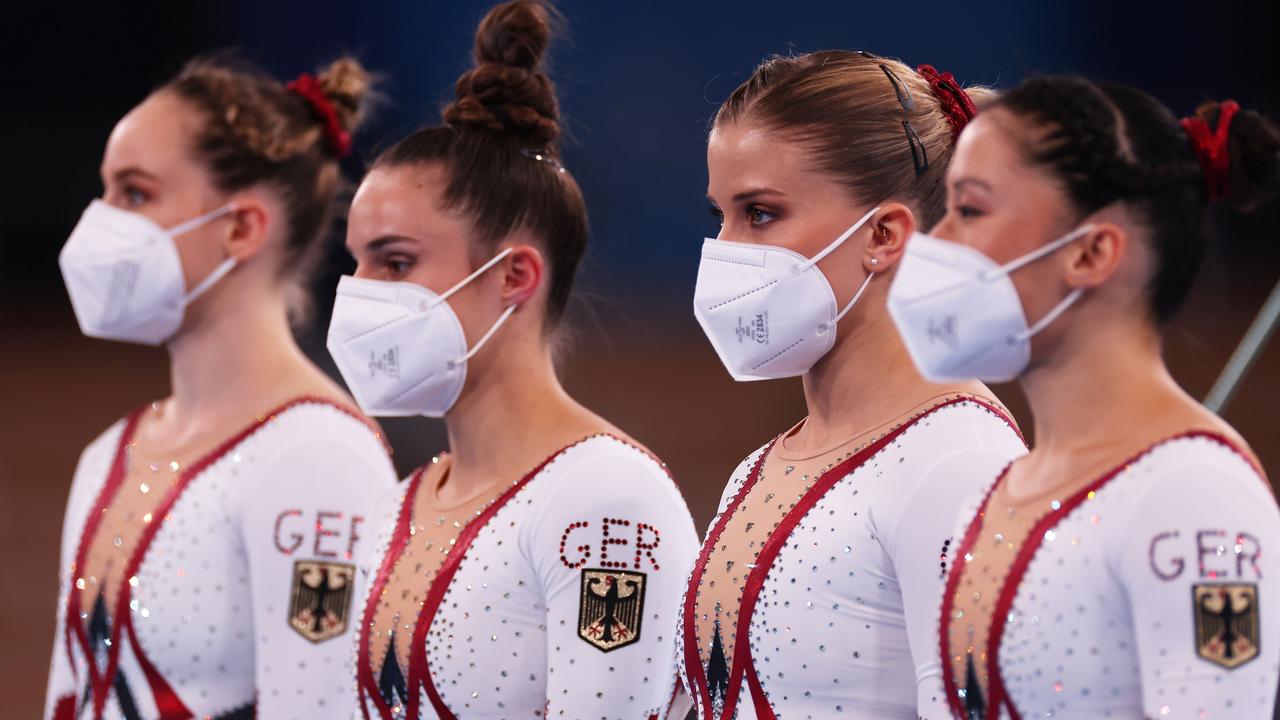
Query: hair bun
point(507, 91)
point(1253, 147)
point(347, 85)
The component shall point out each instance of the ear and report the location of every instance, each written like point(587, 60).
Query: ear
point(890, 230)
point(1094, 258)
point(248, 228)
point(521, 274)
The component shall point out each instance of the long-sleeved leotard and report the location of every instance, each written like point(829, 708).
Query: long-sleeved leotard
point(837, 615)
point(239, 592)
point(1149, 592)
point(558, 598)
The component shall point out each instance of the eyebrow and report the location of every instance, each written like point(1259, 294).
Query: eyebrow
point(385, 240)
point(123, 173)
point(752, 193)
point(971, 181)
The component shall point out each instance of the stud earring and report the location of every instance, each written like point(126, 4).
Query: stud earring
point(875, 261)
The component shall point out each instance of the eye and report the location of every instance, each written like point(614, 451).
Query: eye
point(758, 216)
point(398, 265)
point(716, 213)
point(968, 211)
point(134, 197)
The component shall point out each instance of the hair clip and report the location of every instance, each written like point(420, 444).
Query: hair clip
point(543, 156)
point(919, 157)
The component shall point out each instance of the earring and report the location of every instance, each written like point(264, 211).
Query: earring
point(875, 261)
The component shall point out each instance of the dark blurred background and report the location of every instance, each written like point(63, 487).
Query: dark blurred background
point(638, 83)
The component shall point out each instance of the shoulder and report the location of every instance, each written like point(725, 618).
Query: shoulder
point(605, 463)
point(316, 421)
point(1200, 469)
point(964, 423)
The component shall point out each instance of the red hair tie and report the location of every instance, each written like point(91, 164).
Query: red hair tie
point(309, 88)
point(1211, 149)
point(954, 101)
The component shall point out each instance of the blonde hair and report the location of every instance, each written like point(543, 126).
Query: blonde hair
point(879, 128)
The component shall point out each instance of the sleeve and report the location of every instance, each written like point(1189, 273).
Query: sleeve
point(612, 553)
point(925, 523)
point(1200, 565)
point(304, 528)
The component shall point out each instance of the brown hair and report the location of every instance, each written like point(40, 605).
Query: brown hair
point(873, 124)
point(1109, 143)
point(257, 130)
point(499, 150)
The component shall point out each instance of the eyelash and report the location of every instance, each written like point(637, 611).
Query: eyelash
point(398, 266)
point(967, 211)
point(752, 211)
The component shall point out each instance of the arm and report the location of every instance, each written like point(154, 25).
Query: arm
point(925, 522)
point(1202, 536)
point(304, 527)
point(612, 595)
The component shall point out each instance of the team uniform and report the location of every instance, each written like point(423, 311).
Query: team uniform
point(1136, 594)
point(822, 574)
point(240, 586)
point(556, 598)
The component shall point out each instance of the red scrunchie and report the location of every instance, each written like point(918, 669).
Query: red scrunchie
point(954, 101)
point(1212, 150)
point(309, 88)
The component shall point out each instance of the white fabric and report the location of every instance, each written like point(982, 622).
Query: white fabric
point(509, 620)
point(400, 347)
point(1096, 632)
point(124, 276)
point(959, 313)
point(845, 622)
point(214, 589)
point(768, 311)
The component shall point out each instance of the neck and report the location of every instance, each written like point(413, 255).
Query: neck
point(232, 357)
point(513, 413)
point(867, 379)
point(1110, 380)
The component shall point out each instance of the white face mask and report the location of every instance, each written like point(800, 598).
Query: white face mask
point(768, 311)
point(400, 347)
point(124, 276)
point(959, 313)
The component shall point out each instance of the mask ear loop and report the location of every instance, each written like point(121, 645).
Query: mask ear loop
point(484, 339)
point(492, 328)
point(848, 307)
point(1015, 265)
point(1049, 317)
point(195, 222)
point(223, 268)
point(479, 271)
point(838, 241)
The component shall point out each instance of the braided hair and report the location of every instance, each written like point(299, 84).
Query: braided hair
point(499, 148)
point(256, 130)
point(1111, 143)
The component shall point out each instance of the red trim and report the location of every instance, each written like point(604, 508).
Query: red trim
point(115, 477)
point(102, 682)
point(65, 709)
point(692, 657)
point(949, 683)
point(419, 670)
point(400, 538)
point(997, 694)
point(742, 666)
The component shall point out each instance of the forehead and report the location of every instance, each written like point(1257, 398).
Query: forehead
point(748, 155)
point(405, 201)
point(989, 140)
point(155, 136)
